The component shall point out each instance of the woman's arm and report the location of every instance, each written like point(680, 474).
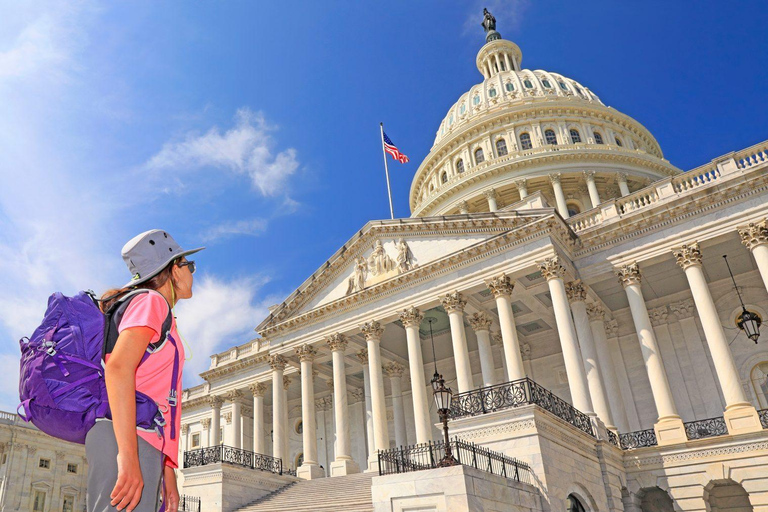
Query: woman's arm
point(120, 376)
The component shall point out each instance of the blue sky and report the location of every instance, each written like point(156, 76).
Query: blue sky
point(252, 127)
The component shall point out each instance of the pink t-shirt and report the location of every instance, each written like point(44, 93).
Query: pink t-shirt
point(153, 376)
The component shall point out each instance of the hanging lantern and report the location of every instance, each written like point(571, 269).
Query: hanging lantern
point(749, 322)
point(443, 396)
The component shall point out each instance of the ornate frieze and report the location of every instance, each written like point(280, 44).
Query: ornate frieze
point(258, 388)
point(628, 274)
point(658, 316)
point(683, 309)
point(576, 291)
point(501, 286)
point(206, 423)
point(372, 330)
point(688, 255)
point(286, 382)
point(336, 342)
point(480, 322)
point(362, 355)
point(233, 395)
point(394, 369)
point(277, 362)
point(497, 337)
point(306, 352)
point(756, 233)
point(358, 395)
point(551, 268)
point(611, 328)
point(411, 317)
point(595, 312)
point(323, 403)
point(453, 302)
point(215, 401)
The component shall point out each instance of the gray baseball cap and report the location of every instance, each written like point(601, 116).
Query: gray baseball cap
point(149, 253)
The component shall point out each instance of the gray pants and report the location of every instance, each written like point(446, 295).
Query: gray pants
point(101, 452)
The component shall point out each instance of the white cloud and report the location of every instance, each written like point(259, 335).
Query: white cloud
point(508, 14)
point(246, 148)
point(252, 227)
point(221, 314)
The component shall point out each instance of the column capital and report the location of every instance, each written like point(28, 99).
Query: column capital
point(628, 274)
point(595, 312)
point(754, 234)
point(463, 207)
point(277, 362)
point(501, 286)
point(362, 355)
point(286, 382)
point(206, 423)
point(621, 176)
point(336, 342)
point(358, 395)
point(683, 309)
point(233, 395)
point(258, 388)
point(372, 330)
point(394, 369)
point(658, 315)
point(555, 177)
point(576, 291)
point(329, 383)
point(227, 417)
point(611, 328)
point(688, 255)
point(411, 317)
point(490, 193)
point(453, 302)
point(551, 268)
point(246, 411)
point(306, 352)
point(215, 401)
point(497, 337)
point(521, 184)
point(525, 351)
point(184, 428)
point(480, 322)
point(323, 403)
point(589, 175)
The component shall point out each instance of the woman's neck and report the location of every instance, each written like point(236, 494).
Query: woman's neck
point(167, 291)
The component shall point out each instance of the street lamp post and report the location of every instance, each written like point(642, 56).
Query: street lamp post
point(443, 397)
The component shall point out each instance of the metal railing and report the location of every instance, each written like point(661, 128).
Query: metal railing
point(763, 417)
point(639, 439)
point(420, 457)
point(613, 438)
point(711, 427)
point(189, 504)
point(515, 394)
point(232, 455)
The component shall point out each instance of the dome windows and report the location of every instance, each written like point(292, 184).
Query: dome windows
point(563, 86)
point(492, 92)
point(450, 120)
point(501, 147)
point(527, 83)
point(575, 136)
point(444, 177)
point(618, 142)
point(598, 138)
point(525, 141)
point(476, 100)
point(462, 109)
point(546, 83)
point(479, 156)
point(550, 136)
point(510, 86)
point(459, 165)
point(578, 90)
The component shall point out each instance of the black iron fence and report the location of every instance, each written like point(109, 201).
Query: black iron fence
point(515, 394)
point(639, 439)
point(711, 427)
point(613, 438)
point(231, 455)
point(419, 457)
point(189, 504)
point(763, 417)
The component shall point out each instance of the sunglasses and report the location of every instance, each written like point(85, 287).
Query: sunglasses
point(190, 264)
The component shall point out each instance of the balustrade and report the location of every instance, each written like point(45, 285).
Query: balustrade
point(638, 439)
point(232, 455)
point(711, 427)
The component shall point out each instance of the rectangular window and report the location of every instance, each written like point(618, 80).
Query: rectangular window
point(69, 504)
point(72, 468)
point(44, 463)
point(38, 504)
point(195, 440)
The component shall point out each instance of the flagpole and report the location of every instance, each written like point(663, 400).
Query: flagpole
point(386, 171)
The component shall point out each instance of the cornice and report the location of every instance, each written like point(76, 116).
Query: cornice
point(235, 366)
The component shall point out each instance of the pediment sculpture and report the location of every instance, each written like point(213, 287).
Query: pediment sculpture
point(379, 266)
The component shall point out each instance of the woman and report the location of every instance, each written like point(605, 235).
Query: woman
point(126, 466)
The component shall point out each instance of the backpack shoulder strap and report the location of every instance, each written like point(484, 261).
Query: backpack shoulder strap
point(115, 314)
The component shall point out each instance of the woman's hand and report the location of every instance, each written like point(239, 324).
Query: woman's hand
point(127, 491)
point(170, 490)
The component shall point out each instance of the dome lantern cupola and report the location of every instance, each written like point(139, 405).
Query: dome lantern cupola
point(497, 54)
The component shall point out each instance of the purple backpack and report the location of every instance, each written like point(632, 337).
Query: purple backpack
point(61, 383)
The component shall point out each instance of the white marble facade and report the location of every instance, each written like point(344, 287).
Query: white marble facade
point(586, 262)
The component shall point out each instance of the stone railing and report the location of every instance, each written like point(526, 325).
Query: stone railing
point(752, 156)
point(8, 416)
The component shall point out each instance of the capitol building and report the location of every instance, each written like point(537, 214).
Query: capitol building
point(566, 281)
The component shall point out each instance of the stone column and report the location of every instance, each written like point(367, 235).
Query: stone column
point(740, 415)
point(343, 464)
point(675, 376)
point(501, 287)
point(577, 296)
point(621, 179)
point(463, 207)
point(372, 332)
point(592, 188)
point(362, 355)
point(206, 423)
point(490, 195)
point(755, 238)
point(234, 397)
point(553, 272)
point(395, 373)
point(481, 324)
point(279, 431)
point(184, 441)
point(215, 435)
point(286, 424)
point(454, 305)
point(597, 325)
point(557, 188)
point(522, 188)
point(310, 468)
point(411, 318)
point(669, 427)
point(258, 389)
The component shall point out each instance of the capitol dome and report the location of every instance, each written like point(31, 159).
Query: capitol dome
point(521, 131)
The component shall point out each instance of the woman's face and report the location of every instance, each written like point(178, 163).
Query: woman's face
point(182, 280)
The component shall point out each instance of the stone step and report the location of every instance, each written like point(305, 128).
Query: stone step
point(339, 494)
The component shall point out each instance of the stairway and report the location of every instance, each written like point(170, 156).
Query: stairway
point(339, 494)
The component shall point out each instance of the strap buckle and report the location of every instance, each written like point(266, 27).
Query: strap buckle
point(172, 400)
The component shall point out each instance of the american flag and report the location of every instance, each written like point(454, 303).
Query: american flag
point(390, 148)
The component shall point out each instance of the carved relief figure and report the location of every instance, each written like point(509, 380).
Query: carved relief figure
point(404, 256)
point(357, 281)
point(379, 262)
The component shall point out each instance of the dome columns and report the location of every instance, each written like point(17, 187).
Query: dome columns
point(594, 197)
point(557, 188)
point(621, 180)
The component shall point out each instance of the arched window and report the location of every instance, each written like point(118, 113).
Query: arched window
point(546, 83)
point(525, 141)
point(510, 86)
point(492, 93)
point(459, 165)
point(503, 66)
point(476, 100)
point(598, 138)
point(450, 119)
point(573, 209)
point(479, 157)
point(528, 83)
point(578, 90)
point(550, 136)
point(575, 137)
point(501, 147)
point(444, 177)
point(462, 109)
point(618, 142)
point(759, 378)
point(563, 86)
point(574, 505)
